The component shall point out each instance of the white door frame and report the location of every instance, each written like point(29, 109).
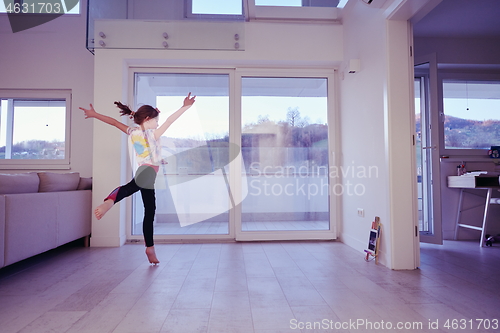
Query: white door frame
point(235, 179)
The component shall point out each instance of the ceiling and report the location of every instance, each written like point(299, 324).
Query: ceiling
point(461, 18)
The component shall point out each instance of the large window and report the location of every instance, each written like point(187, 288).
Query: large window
point(471, 114)
point(34, 129)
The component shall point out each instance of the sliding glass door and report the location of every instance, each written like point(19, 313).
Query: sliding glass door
point(285, 148)
point(192, 187)
point(250, 160)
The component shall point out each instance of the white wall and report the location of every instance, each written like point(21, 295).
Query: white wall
point(53, 56)
point(376, 127)
point(460, 50)
point(362, 124)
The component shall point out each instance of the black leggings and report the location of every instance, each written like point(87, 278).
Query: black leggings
point(143, 181)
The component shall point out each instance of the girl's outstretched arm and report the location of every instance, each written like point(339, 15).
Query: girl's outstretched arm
point(91, 113)
point(188, 101)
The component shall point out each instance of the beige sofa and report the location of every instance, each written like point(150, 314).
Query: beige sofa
point(41, 211)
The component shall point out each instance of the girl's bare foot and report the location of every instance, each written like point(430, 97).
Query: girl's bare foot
point(103, 208)
point(150, 252)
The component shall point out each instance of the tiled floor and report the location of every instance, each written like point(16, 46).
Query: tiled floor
point(250, 287)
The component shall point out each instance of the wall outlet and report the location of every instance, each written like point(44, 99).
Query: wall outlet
point(361, 212)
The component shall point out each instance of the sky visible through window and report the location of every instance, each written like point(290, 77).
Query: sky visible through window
point(223, 7)
point(473, 109)
point(204, 120)
point(472, 100)
point(34, 123)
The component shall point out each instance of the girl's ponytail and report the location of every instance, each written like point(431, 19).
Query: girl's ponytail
point(125, 110)
point(142, 114)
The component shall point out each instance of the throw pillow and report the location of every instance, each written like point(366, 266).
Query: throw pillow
point(85, 184)
point(55, 182)
point(19, 183)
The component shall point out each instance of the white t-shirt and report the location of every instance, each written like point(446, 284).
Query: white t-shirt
point(143, 143)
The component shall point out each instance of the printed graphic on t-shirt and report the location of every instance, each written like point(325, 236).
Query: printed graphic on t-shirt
point(141, 147)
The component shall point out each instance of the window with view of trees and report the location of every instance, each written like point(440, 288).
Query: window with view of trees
point(284, 145)
point(33, 129)
point(472, 114)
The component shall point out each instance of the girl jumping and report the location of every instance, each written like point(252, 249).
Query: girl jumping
point(145, 140)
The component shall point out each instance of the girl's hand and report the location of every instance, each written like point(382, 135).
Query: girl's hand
point(188, 101)
point(89, 113)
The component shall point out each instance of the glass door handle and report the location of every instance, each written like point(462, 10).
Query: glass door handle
point(431, 147)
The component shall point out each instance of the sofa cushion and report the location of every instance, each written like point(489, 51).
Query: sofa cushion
point(85, 183)
point(55, 182)
point(19, 183)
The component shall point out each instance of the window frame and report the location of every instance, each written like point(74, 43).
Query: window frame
point(41, 163)
point(460, 76)
point(235, 74)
